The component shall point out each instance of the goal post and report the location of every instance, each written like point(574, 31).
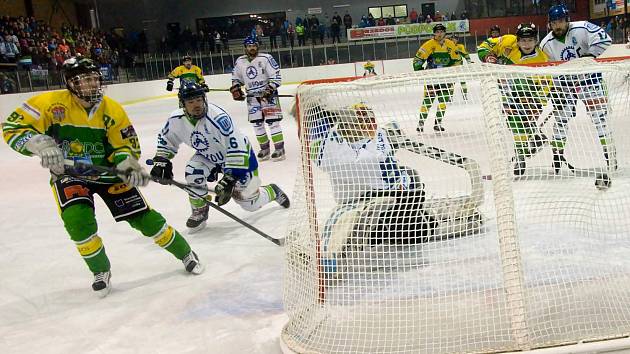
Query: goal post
point(421, 224)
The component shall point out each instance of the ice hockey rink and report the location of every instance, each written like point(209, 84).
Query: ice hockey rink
point(47, 305)
point(236, 306)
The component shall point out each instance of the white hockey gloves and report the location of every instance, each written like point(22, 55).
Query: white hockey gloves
point(132, 173)
point(46, 148)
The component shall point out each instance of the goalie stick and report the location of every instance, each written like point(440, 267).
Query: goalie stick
point(182, 186)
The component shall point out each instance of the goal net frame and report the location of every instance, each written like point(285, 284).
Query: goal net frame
point(501, 179)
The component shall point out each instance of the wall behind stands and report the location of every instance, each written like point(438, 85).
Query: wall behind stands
point(55, 12)
point(142, 91)
point(151, 15)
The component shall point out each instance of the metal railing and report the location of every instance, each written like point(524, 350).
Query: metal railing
point(156, 66)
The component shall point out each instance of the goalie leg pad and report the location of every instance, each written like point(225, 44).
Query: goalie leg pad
point(456, 217)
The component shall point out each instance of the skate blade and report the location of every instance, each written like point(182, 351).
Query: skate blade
point(192, 230)
point(280, 158)
point(103, 293)
point(199, 268)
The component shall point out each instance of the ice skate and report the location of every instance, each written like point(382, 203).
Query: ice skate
point(192, 264)
point(197, 220)
point(102, 284)
point(263, 154)
point(278, 155)
point(281, 197)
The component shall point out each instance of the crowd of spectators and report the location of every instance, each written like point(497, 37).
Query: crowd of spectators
point(32, 44)
point(614, 26)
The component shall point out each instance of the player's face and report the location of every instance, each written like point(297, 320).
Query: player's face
point(195, 107)
point(439, 35)
point(88, 87)
point(251, 50)
point(188, 64)
point(559, 27)
point(366, 120)
point(495, 34)
point(527, 45)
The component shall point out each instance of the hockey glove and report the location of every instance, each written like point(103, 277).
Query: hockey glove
point(46, 148)
point(491, 58)
point(224, 189)
point(214, 174)
point(268, 93)
point(205, 88)
point(169, 85)
point(130, 171)
point(162, 169)
point(417, 65)
point(237, 93)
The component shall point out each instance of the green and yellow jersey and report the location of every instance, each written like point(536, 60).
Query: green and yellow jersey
point(189, 75)
point(102, 135)
point(484, 48)
point(462, 53)
point(436, 54)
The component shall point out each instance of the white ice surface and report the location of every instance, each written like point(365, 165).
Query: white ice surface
point(47, 305)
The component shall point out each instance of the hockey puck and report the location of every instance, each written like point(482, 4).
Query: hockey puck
point(602, 181)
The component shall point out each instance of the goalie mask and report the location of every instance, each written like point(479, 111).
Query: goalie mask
point(83, 79)
point(192, 98)
point(357, 122)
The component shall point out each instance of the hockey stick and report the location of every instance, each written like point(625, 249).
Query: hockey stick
point(208, 200)
point(182, 186)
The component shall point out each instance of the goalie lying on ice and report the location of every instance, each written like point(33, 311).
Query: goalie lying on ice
point(379, 200)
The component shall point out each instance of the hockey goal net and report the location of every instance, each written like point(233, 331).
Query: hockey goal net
point(508, 230)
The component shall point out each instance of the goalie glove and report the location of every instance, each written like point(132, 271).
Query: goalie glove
point(224, 189)
point(268, 93)
point(130, 171)
point(46, 148)
point(169, 85)
point(162, 169)
point(491, 59)
point(237, 93)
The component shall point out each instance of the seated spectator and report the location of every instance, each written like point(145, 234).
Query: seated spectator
point(8, 50)
point(413, 16)
point(380, 21)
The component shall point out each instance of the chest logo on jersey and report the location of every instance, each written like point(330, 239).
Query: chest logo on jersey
point(568, 53)
point(199, 142)
point(251, 72)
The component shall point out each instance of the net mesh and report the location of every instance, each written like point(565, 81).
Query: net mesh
point(480, 208)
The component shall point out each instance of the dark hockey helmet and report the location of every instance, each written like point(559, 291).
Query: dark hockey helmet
point(83, 79)
point(558, 12)
point(526, 30)
point(186, 57)
point(189, 91)
point(495, 28)
point(439, 27)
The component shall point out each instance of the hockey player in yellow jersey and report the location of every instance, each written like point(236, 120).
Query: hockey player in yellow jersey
point(484, 47)
point(523, 98)
point(81, 125)
point(438, 52)
point(187, 72)
point(462, 55)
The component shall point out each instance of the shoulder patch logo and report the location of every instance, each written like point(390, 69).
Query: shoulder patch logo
point(58, 112)
point(251, 72)
point(128, 132)
point(224, 122)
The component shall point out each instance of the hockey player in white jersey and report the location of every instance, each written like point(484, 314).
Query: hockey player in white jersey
point(220, 148)
point(260, 74)
point(568, 41)
point(379, 200)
